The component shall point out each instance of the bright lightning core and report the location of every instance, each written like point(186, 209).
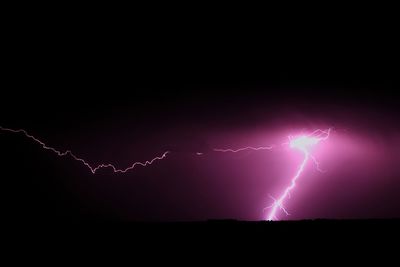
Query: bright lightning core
point(303, 143)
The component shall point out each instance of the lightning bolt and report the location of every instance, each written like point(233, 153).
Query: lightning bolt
point(304, 143)
point(243, 149)
point(84, 162)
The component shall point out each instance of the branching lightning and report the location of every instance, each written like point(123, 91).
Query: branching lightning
point(243, 149)
point(304, 143)
point(84, 162)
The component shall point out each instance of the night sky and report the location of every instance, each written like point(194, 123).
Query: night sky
point(116, 98)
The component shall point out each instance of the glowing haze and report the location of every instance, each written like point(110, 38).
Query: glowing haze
point(275, 169)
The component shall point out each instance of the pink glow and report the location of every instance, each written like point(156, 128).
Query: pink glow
point(361, 166)
point(84, 162)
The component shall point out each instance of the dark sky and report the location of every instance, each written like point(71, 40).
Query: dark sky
point(115, 97)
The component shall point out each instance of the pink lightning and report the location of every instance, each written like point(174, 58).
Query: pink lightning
point(304, 143)
point(243, 149)
point(84, 162)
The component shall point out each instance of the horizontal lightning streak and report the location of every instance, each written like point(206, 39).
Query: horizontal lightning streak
point(243, 149)
point(84, 162)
